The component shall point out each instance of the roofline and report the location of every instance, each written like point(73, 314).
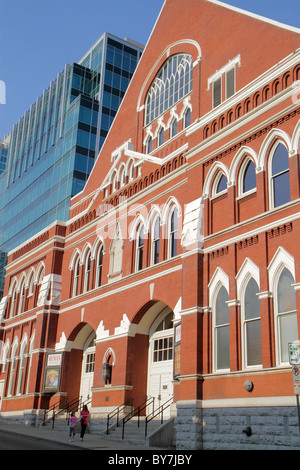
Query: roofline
point(255, 16)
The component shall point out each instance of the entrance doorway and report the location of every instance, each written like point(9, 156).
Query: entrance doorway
point(160, 370)
point(88, 364)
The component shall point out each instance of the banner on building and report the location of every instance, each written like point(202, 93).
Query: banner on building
point(52, 373)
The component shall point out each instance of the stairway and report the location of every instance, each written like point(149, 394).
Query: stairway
point(135, 434)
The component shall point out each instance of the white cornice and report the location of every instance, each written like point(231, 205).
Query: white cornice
point(256, 16)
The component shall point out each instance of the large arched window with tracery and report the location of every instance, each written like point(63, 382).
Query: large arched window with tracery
point(173, 81)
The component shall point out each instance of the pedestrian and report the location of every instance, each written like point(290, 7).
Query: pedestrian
point(72, 426)
point(84, 414)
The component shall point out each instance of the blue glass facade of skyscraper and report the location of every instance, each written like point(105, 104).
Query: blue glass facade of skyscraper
point(52, 148)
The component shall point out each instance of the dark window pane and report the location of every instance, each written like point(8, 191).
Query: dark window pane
point(217, 93)
point(230, 83)
point(280, 161)
point(222, 184)
point(281, 187)
point(249, 177)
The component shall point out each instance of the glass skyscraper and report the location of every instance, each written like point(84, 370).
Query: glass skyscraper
point(48, 155)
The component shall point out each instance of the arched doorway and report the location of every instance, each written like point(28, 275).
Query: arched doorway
point(160, 358)
point(88, 364)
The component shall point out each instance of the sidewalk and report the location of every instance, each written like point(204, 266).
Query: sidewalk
point(90, 442)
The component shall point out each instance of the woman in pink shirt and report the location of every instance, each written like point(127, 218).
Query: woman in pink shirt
point(84, 414)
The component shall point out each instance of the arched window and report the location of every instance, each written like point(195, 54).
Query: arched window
point(173, 233)
point(187, 118)
point(249, 177)
point(4, 357)
point(139, 248)
point(76, 277)
point(31, 284)
point(280, 177)
point(13, 301)
point(22, 366)
point(155, 241)
point(99, 266)
point(87, 271)
point(285, 315)
point(22, 297)
point(173, 81)
point(220, 184)
point(174, 127)
point(221, 330)
point(161, 136)
point(12, 369)
point(149, 145)
point(251, 325)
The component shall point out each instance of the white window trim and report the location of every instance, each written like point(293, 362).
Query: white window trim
point(270, 176)
point(218, 280)
point(241, 176)
point(282, 259)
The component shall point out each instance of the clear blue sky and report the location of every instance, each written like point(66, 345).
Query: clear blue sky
point(37, 38)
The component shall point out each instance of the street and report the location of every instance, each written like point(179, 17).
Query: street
point(13, 442)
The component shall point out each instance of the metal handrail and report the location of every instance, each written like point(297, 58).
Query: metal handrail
point(160, 410)
point(137, 411)
point(70, 406)
point(110, 415)
point(49, 410)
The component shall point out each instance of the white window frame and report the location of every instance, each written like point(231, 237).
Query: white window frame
point(271, 177)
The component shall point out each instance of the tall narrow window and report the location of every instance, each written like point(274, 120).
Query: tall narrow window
point(139, 248)
point(249, 177)
point(222, 330)
point(280, 176)
point(12, 371)
point(13, 302)
point(161, 136)
point(76, 277)
point(187, 118)
point(174, 128)
point(173, 233)
point(21, 369)
point(217, 92)
point(230, 83)
point(22, 298)
point(155, 241)
point(149, 145)
point(252, 325)
point(286, 314)
point(99, 267)
point(87, 272)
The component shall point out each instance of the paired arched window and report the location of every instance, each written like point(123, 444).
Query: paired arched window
point(88, 269)
point(173, 81)
point(285, 320)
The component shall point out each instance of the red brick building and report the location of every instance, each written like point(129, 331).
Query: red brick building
point(177, 271)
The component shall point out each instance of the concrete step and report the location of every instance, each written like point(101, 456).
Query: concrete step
point(133, 432)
